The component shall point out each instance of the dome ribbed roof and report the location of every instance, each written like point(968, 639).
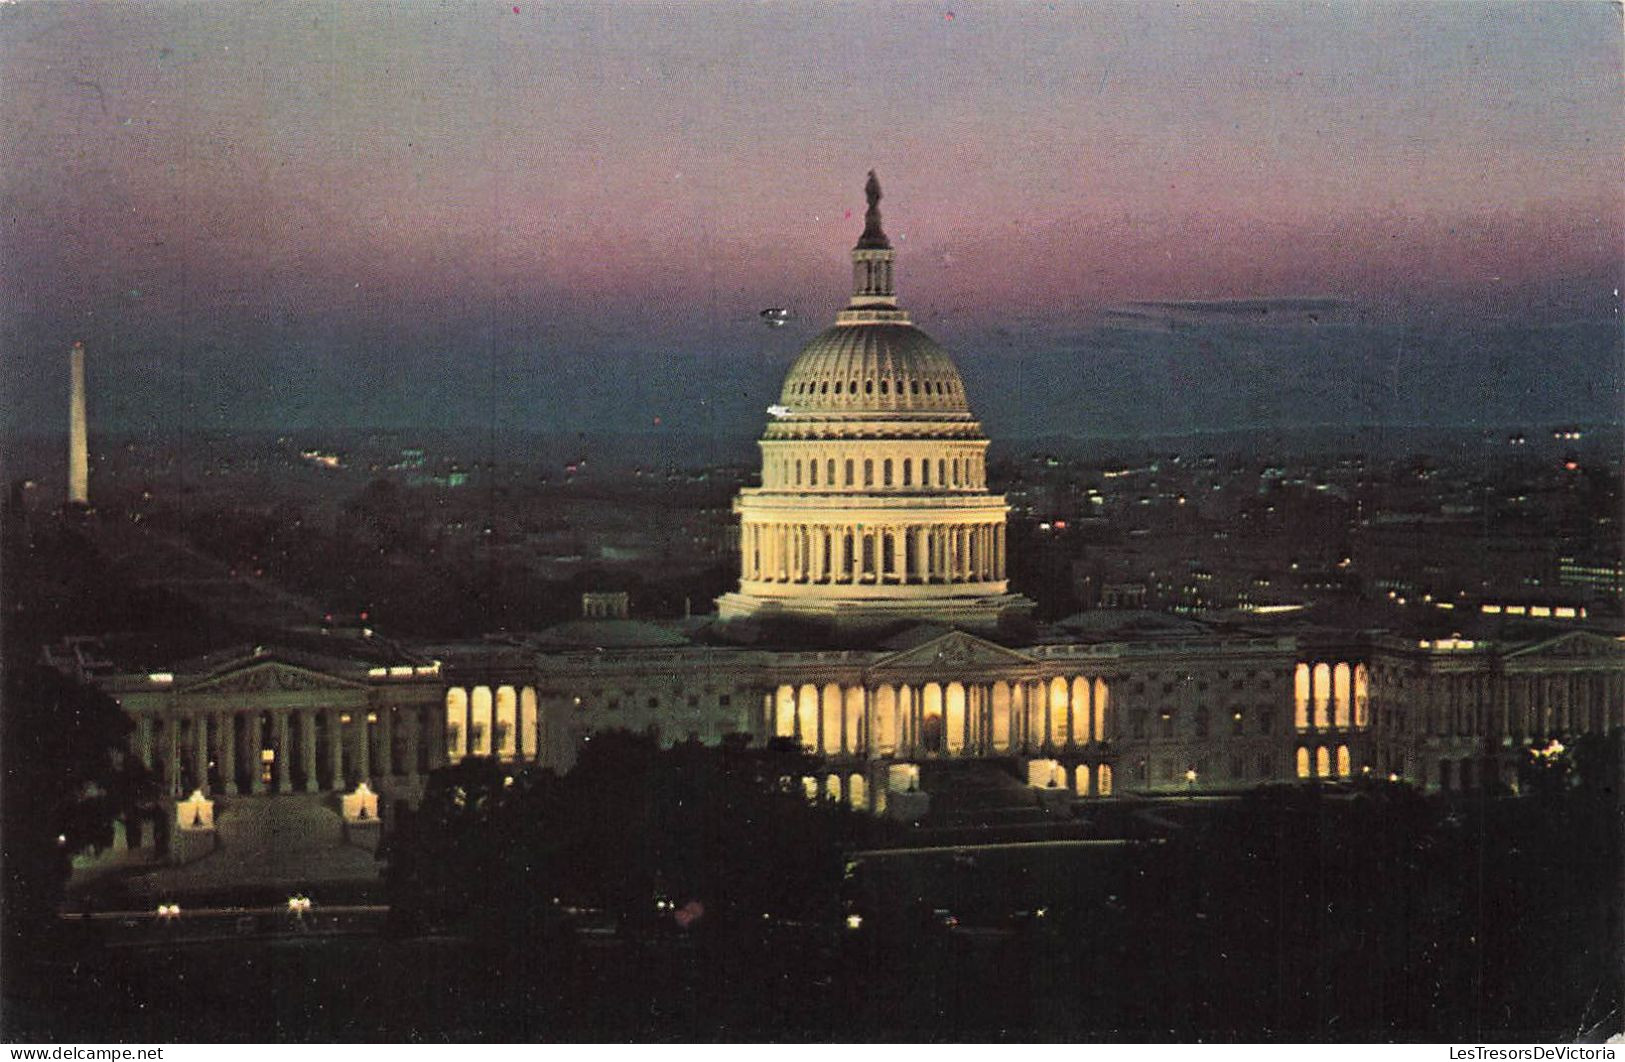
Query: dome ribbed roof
point(874, 367)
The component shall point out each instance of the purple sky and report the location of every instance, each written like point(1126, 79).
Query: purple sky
point(451, 181)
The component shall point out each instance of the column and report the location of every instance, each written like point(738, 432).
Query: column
point(172, 756)
point(200, 752)
point(220, 745)
point(248, 750)
point(977, 703)
point(335, 748)
point(412, 720)
point(256, 743)
point(283, 751)
point(386, 734)
point(363, 742)
point(307, 747)
point(439, 751)
point(231, 742)
point(142, 740)
point(918, 695)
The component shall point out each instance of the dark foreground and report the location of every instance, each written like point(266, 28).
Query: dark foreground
point(1295, 918)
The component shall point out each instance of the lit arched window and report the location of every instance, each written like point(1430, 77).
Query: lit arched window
point(1300, 695)
point(1340, 696)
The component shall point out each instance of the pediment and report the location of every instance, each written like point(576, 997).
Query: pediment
point(1577, 645)
point(271, 676)
point(956, 649)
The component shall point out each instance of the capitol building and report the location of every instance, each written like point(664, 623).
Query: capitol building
point(874, 625)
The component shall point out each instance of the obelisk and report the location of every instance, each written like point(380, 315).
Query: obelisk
point(78, 433)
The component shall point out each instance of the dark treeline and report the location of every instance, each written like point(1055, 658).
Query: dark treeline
point(690, 894)
point(1295, 913)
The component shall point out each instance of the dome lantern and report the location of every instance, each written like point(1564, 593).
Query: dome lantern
point(874, 294)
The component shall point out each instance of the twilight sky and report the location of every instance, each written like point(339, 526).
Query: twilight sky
point(556, 217)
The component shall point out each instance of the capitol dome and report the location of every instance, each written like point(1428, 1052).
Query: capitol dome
point(873, 507)
point(874, 368)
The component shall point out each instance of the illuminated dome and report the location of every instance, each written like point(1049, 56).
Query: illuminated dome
point(874, 368)
point(874, 506)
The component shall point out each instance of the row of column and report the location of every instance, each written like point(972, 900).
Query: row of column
point(501, 722)
point(284, 750)
point(901, 555)
point(1332, 696)
point(932, 718)
point(1523, 706)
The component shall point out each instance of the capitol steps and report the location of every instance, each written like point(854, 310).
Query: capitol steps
point(969, 792)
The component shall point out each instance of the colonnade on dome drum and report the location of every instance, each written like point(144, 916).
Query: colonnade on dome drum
point(903, 554)
point(915, 719)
